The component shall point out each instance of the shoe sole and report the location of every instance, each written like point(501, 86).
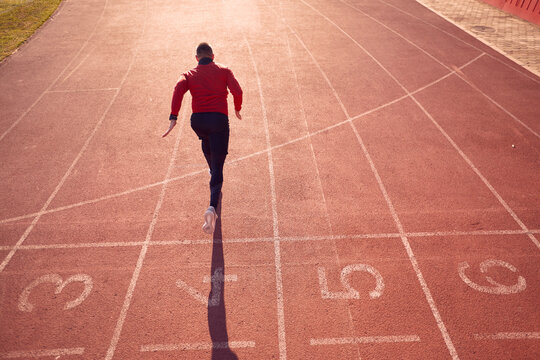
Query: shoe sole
point(209, 222)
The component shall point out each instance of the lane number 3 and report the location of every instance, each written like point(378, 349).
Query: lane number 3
point(26, 306)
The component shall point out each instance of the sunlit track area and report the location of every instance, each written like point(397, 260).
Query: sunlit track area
point(380, 196)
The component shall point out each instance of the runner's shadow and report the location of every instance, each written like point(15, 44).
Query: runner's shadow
point(217, 324)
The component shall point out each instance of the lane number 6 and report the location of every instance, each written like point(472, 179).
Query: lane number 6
point(496, 287)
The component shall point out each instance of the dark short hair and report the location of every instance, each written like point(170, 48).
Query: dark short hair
point(204, 50)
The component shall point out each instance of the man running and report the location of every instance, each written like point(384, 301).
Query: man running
point(208, 84)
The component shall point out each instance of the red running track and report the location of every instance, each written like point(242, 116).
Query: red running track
point(381, 198)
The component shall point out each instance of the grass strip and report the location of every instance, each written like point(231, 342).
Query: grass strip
point(19, 19)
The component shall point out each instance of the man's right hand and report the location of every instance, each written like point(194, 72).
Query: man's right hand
point(171, 126)
point(238, 114)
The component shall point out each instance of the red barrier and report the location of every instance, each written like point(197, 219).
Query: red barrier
point(526, 9)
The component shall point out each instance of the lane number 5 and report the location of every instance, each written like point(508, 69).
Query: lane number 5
point(350, 292)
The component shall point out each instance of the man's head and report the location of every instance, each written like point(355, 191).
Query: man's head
point(204, 51)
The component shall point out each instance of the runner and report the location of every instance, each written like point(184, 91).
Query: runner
point(208, 84)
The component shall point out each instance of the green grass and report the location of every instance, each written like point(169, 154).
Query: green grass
point(19, 19)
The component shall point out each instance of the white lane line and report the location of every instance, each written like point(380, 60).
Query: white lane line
point(198, 346)
point(75, 245)
point(410, 253)
point(439, 127)
point(144, 249)
point(58, 77)
point(271, 239)
point(466, 233)
point(458, 73)
point(463, 77)
point(72, 166)
point(59, 186)
point(106, 197)
point(226, 278)
point(277, 249)
point(77, 67)
point(365, 340)
point(211, 241)
point(385, 105)
point(461, 40)
point(479, 174)
point(357, 44)
point(268, 144)
point(500, 51)
point(41, 353)
point(405, 241)
point(80, 90)
point(205, 170)
point(508, 336)
point(453, 72)
point(304, 117)
point(177, 178)
point(399, 34)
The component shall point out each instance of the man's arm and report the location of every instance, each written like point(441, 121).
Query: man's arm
point(179, 91)
point(236, 92)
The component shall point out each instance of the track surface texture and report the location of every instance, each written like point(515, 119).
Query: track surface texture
point(381, 195)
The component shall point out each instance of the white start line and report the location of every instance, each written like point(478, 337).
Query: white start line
point(35, 354)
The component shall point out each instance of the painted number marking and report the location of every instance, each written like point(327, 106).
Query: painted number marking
point(217, 279)
point(26, 306)
point(350, 292)
point(495, 288)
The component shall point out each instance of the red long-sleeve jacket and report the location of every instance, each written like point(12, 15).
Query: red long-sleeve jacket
point(208, 84)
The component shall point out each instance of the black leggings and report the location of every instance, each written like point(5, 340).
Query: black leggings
point(213, 130)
